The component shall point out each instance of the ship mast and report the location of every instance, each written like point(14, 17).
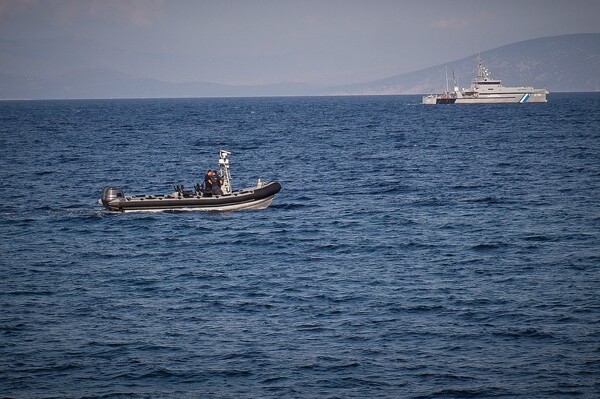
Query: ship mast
point(447, 89)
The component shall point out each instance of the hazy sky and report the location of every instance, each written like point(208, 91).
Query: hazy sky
point(270, 41)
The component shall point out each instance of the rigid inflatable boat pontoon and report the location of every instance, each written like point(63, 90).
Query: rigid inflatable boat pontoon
point(259, 196)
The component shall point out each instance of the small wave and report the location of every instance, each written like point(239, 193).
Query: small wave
point(467, 187)
point(457, 393)
point(417, 309)
point(431, 201)
point(27, 293)
point(485, 200)
point(320, 366)
point(13, 329)
point(163, 373)
point(274, 380)
point(231, 372)
point(528, 332)
point(537, 238)
point(393, 190)
point(489, 246)
point(339, 367)
point(45, 172)
point(288, 206)
point(304, 198)
point(56, 368)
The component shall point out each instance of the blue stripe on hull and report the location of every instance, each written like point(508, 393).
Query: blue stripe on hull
point(524, 98)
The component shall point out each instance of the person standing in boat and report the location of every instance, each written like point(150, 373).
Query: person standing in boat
point(213, 182)
point(207, 181)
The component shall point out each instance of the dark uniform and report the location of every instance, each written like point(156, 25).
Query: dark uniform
point(208, 181)
point(215, 183)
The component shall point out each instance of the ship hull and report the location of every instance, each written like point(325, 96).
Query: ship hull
point(521, 98)
point(506, 98)
point(249, 198)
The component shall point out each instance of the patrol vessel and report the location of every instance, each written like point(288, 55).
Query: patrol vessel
point(485, 89)
point(259, 196)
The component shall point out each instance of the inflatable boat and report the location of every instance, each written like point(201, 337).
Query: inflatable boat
point(201, 198)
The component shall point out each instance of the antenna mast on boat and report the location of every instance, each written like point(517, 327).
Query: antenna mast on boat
point(225, 174)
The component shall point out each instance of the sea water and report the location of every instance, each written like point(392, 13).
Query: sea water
point(414, 251)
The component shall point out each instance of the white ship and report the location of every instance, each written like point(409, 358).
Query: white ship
point(487, 90)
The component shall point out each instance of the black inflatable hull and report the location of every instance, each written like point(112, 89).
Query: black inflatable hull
point(248, 198)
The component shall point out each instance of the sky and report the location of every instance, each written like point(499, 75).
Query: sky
point(321, 42)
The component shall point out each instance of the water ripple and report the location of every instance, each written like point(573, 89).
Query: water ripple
point(419, 252)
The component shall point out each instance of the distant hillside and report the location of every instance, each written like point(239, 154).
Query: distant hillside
point(106, 83)
point(560, 63)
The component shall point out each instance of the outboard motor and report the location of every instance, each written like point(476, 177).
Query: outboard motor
point(110, 193)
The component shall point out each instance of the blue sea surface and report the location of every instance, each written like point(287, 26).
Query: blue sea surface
point(413, 252)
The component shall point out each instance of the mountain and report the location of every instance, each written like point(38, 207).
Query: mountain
point(106, 83)
point(559, 63)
